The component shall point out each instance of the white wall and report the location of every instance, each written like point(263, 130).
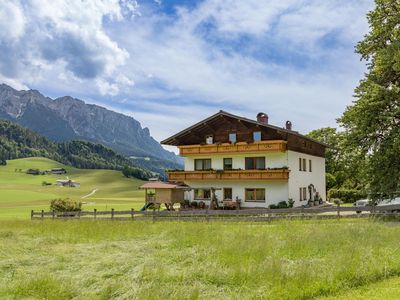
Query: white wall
point(275, 191)
point(272, 160)
point(299, 178)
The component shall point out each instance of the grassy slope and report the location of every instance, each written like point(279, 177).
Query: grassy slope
point(144, 260)
point(19, 192)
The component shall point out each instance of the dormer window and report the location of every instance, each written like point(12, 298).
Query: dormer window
point(257, 136)
point(209, 140)
point(232, 138)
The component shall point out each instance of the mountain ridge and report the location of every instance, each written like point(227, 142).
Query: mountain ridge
point(68, 118)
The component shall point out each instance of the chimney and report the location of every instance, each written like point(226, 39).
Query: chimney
point(288, 125)
point(262, 118)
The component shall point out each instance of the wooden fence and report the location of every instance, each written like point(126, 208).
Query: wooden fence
point(259, 214)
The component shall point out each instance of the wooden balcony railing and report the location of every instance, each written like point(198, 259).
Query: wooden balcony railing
point(240, 147)
point(281, 174)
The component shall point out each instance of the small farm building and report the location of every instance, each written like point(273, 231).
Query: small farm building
point(68, 183)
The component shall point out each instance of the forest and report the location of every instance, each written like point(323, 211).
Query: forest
point(20, 142)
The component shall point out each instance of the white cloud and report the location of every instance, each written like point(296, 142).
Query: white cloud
point(44, 35)
point(291, 58)
point(12, 21)
point(190, 66)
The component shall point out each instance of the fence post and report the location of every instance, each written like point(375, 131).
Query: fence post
point(338, 210)
point(31, 214)
point(154, 214)
point(95, 213)
point(132, 213)
point(53, 214)
point(42, 214)
point(112, 213)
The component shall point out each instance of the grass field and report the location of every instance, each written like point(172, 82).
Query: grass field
point(77, 259)
point(19, 192)
point(346, 259)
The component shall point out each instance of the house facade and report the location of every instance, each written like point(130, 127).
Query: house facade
point(249, 160)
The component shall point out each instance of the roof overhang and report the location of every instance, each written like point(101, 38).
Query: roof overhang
point(174, 140)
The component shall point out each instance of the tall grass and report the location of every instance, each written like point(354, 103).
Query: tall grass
point(161, 260)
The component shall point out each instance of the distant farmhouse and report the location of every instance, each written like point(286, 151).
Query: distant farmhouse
point(250, 161)
point(68, 183)
point(58, 171)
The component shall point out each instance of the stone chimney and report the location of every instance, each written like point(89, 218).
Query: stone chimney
point(288, 125)
point(262, 118)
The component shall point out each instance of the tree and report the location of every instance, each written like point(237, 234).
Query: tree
point(372, 123)
point(344, 166)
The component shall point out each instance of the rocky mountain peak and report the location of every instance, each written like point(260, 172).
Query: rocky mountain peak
point(67, 118)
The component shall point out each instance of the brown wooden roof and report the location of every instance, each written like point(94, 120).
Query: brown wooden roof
point(223, 122)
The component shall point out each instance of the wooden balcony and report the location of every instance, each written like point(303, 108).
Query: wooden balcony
point(240, 147)
point(281, 174)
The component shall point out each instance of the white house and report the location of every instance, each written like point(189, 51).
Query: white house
point(249, 160)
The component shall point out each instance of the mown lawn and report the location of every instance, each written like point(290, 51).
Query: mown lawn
point(19, 192)
point(195, 260)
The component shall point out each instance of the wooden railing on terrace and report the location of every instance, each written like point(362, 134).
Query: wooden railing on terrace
point(239, 147)
point(280, 174)
point(259, 214)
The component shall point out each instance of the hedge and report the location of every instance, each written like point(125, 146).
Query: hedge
point(347, 195)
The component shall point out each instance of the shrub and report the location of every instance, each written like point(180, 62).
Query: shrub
point(290, 202)
point(194, 204)
point(44, 183)
point(65, 205)
point(33, 172)
point(347, 195)
point(282, 204)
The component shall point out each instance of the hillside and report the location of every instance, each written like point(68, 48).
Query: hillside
point(21, 192)
point(67, 118)
point(19, 142)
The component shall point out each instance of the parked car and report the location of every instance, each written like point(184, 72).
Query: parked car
point(362, 203)
point(387, 202)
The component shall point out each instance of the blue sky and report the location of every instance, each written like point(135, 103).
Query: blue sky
point(172, 63)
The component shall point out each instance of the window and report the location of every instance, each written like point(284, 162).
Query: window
point(300, 165)
point(227, 163)
point(255, 195)
point(209, 139)
point(310, 165)
point(255, 163)
point(202, 194)
point(257, 136)
point(303, 193)
point(304, 164)
point(232, 138)
point(202, 164)
point(227, 194)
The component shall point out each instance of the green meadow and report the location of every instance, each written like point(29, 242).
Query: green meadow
point(345, 259)
point(87, 259)
point(20, 192)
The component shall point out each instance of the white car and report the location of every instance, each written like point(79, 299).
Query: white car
point(387, 202)
point(362, 203)
point(393, 201)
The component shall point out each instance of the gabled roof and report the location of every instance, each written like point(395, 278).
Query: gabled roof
point(172, 140)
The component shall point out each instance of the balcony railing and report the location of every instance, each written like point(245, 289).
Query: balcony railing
point(280, 174)
point(240, 147)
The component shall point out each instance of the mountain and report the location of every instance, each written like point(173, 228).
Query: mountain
point(68, 118)
point(20, 142)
